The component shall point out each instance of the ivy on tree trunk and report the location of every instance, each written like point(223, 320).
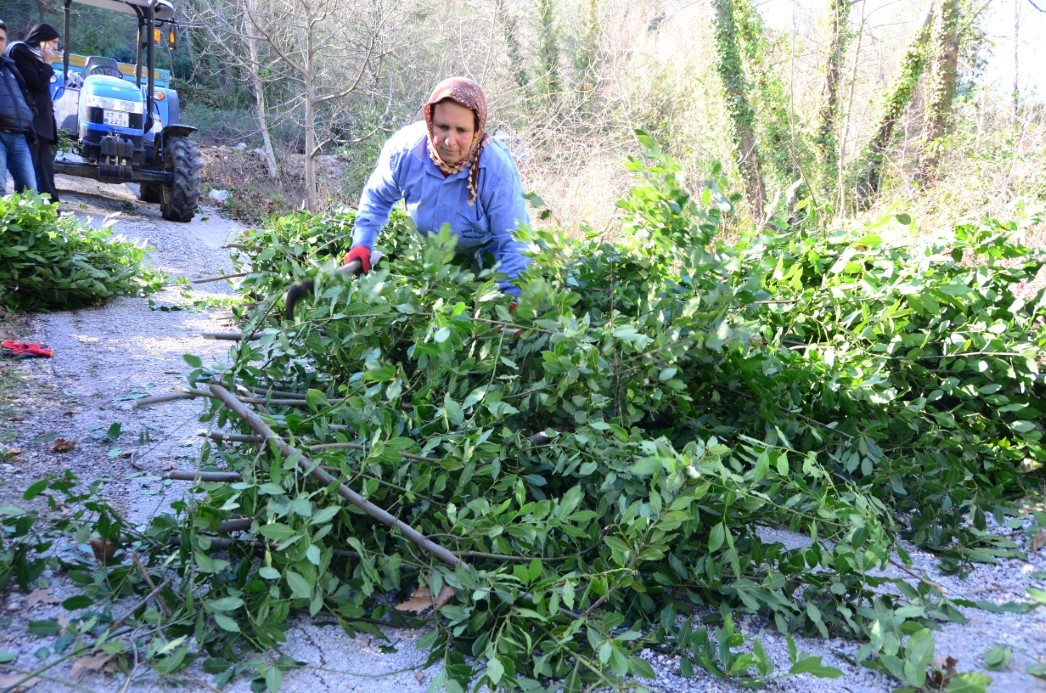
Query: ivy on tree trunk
point(892, 108)
point(825, 140)
point(742, 114)
point(942, 85)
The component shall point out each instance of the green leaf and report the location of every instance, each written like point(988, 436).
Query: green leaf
point(273, 679)
point(300, 587)
point(80, 601)
point(810, 664)
point(324, 515)
point(45, 627)
point(226, 623)
point(716, 537)
point(193, 360)
point(969, 682)
point(225, 604)
point(918, 656)
point(495, 670)
point(35, 489)
point(277, 531)
point(997, 657)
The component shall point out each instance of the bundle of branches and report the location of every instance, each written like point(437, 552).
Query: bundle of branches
point(589, 475)
point(52, 262)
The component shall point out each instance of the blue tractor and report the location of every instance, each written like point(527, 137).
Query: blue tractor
point(124, 118)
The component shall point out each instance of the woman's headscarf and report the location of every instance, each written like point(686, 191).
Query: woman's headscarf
point(464, 92)
point(40, 33)
point(37, 35)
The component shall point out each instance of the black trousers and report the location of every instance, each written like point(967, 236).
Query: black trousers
point(43, 163)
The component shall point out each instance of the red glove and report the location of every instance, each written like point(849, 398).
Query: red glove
point(361, 253)
point(24, 349)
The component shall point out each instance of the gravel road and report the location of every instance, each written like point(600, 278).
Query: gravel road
point(105, 358)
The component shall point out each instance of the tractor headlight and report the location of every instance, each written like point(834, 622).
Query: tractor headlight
point(110, 104)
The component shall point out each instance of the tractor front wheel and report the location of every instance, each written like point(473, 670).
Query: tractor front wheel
point(182, 158)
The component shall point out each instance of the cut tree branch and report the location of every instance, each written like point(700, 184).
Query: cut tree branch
point(306, 465)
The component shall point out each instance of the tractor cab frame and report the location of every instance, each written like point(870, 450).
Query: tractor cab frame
point(124, 119)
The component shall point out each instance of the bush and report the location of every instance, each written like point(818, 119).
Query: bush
point(52, 262)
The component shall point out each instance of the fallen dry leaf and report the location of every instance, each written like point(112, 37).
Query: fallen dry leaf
point(98, 662)
point(446, 593)
point(421, 600)
point(103, 549)
point(42, 596)
point(419, 676)
point(9, 680)
point(63, 445)
point(1038, 540)
point(8, 451)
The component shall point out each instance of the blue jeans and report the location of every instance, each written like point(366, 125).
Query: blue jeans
point(15, 157)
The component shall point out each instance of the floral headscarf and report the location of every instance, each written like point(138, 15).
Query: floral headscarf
point(467, 93)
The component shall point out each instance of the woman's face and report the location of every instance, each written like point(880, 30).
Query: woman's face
point(453, 127)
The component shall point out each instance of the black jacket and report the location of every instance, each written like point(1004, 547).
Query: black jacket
point(16, 113)
point(37, 75)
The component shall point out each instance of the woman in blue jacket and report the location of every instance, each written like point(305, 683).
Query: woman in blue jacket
point(448, 170)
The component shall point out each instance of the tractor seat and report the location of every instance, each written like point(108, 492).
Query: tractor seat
point(98, 65)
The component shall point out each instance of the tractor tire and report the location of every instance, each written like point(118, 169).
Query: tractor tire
point(149, 192)
point(178, 202)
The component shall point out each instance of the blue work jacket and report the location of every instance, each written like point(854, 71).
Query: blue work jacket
point(405, 172)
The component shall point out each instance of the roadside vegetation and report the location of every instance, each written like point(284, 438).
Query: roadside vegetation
point(755, 304)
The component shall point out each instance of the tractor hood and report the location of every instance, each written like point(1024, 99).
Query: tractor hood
point(112, 88)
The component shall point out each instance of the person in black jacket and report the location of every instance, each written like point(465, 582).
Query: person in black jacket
point(33, 57)
point(16, 124)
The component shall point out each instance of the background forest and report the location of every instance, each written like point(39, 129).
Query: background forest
point(812, 109)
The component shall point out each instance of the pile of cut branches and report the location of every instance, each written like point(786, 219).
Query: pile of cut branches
point(588, 476)
point(52, 262)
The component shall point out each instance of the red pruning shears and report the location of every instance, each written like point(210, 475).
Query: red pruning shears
point(24, 350)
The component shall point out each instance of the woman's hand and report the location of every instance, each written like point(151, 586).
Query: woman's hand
point(361, 253)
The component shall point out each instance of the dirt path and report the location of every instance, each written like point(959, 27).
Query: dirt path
point(107, 358)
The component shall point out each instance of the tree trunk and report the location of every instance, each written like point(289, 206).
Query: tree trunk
point(510, 27)
point(893, 107)
point(942, 86)
point(825, 140)
point(742, 115)
point(311, 192)
point(548, 49)
point(260, 112)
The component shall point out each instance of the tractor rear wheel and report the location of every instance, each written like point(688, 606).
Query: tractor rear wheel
point(149, 192)
point(182, 158)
